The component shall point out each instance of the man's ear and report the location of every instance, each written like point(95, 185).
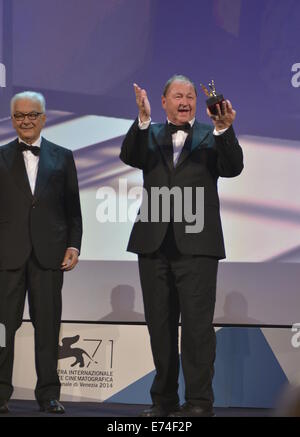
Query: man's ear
point(13, 121)
point(163, 102)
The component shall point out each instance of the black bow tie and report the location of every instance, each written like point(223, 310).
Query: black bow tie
point(33, 149)
point(186, 127)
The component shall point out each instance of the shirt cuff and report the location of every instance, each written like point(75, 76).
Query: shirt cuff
point(217, 133)
point(144, 124)
point(74, 248)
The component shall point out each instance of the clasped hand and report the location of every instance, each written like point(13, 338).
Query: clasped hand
point(70, 260)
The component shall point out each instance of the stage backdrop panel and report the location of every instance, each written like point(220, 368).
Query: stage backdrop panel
point(113, 363)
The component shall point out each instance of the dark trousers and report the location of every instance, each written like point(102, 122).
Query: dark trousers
point(174, 284)
point(44, 297)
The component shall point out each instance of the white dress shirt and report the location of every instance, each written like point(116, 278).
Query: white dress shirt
point(31, 163)
point(178, 138)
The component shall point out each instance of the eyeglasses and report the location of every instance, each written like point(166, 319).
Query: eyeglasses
point(20, 116)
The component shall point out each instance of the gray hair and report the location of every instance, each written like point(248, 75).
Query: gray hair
point(31, 95)
point(177, 78)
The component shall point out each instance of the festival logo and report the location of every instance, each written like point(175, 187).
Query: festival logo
point(86, 363)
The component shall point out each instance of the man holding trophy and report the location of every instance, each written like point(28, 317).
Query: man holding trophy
point(178, 268)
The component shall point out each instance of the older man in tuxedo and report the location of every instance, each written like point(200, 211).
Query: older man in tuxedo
point(178, 261)
point(40, 238)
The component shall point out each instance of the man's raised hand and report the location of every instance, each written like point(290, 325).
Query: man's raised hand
point(142, 103)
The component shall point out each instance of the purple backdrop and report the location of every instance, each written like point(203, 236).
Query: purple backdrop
point(85, 55)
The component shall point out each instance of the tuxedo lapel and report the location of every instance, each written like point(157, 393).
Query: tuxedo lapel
point(15, 162)
point(186, 150)
point(47, 163)
point(163, 139)
point(195, 138)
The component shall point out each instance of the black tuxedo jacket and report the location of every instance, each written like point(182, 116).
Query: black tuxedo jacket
point(48, 221)
point(203, 159)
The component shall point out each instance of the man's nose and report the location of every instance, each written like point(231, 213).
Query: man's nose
point(26, 120)
point(184, 101)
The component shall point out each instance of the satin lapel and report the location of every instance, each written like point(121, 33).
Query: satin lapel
point(163, 138)
point(194, 140)
point(186, 150)
point(16, 166)
point(47, 163)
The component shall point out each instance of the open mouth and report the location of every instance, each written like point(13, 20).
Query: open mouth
point(183, 110)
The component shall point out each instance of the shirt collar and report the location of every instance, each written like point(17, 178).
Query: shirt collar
point(191, 122)
point(37, 143)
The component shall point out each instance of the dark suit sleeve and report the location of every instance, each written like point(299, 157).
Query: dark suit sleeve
point(72, 204)
point(134, 150)
point(229, 154)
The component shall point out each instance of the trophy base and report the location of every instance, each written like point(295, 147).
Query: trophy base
point(213, 101)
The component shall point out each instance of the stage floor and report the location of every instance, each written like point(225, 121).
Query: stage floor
point(21, 408)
